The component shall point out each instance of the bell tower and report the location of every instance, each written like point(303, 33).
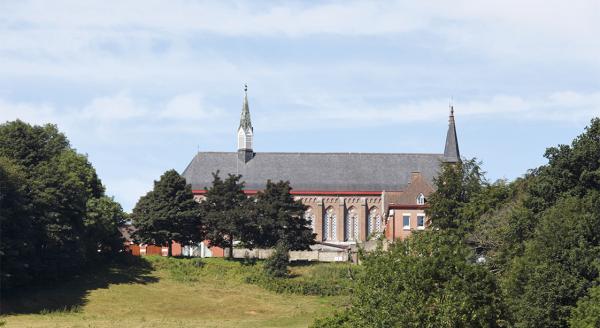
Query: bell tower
point(245, 132)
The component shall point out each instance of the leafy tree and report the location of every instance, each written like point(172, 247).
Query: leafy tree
point(30, 145)
point(276, 265)
point(587, 312)
point(280, 218)
point(168, 213)
point(457, 184)
point(428, 280)
point(16, 249)
point(559, 264)
point(226, 211)
point(46, 189)
point(103, 218)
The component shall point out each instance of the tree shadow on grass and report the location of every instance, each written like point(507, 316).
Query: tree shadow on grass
point(70, 295)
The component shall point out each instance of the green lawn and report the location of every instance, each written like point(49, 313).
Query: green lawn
point(159, 292)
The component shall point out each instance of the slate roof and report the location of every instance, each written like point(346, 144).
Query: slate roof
point(316, 171)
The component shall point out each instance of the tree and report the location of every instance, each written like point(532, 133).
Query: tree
point(30, 145)
point(227, 210)
point(276, 265)
point(457, 184)
point(103, 218)
point(16, 249)
point(559, 264)
point(280, 218)
point(46, 188)
point(427, 280)
point(168, 213)
point(587, 312)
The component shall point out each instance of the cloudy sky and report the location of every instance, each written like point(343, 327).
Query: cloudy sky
point(140, 86)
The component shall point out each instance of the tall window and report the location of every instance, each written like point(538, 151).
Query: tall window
point(310, 217)
point(329, 225)
point(374, 223)
point(420, 221)
point(406, 221)
point(351, 232)
point(421, 199)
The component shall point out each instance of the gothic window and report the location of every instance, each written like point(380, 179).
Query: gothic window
point(374, 223)
point(421, 199)
point(351, 232)
point(310, 217)
point(329, 225)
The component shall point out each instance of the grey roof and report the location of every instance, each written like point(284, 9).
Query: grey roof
point(451, 152)
point(316, 171)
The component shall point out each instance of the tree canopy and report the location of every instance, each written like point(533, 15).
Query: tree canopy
point(280, 218)
point(227, 212)
point(168, 213)
point(51, 221)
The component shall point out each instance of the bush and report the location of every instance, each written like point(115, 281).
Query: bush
point(276, 265)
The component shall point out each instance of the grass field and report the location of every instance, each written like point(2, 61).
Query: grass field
point(160, 292)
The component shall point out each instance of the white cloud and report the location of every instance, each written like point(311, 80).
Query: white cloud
point(566, 106)
point(112, 108)
point(189, 106)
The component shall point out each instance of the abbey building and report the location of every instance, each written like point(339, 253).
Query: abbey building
point(351, 197)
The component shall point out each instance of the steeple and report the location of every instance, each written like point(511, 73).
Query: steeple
point(451, 152)
point(245, 132)
point(245, 122)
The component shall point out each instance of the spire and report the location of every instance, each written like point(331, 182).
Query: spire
point(451, 152)
point(245, 122)
point(245, 132)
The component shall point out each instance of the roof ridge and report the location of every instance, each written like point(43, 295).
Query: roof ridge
point(320, 153)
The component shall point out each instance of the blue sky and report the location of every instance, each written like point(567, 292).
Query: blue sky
point(140, 86)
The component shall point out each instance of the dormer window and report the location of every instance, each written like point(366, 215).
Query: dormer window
point(421, 199)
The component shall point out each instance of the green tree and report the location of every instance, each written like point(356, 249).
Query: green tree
point(46, 188)
point(30, 145)
point(559, 264)
point(103, 218)
point(16, 249)
point(428, 280)
point(227, 212)
point(168, 213)
point(280, 218)
point(276, 265)
point(457, 184)
point(587, 312)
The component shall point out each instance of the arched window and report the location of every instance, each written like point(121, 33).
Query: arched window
point(421, 199)
point(329, 225)
point(351, 232)
point(374, 223)
point(310, 217)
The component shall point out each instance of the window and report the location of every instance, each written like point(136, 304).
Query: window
point(310, 217)
point(374, 223)
point(329, 225)
point(351, 225)
point(406, 221)
point(421, 199)
point(420, 221)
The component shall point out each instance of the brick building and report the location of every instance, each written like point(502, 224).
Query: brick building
point(351, 197)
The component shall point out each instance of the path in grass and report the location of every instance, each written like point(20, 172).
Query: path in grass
point(213, 295)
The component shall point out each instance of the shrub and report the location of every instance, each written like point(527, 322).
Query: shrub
point(276, 265)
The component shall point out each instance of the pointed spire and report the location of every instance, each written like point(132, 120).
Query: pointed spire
point(245, 122)
point(451, 152)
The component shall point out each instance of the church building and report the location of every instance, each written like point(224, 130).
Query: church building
point(350, 197)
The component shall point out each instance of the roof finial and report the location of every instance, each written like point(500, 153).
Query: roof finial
point(245, 88)
point(451, 105)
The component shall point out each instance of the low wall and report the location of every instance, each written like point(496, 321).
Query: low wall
point(320, 256)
